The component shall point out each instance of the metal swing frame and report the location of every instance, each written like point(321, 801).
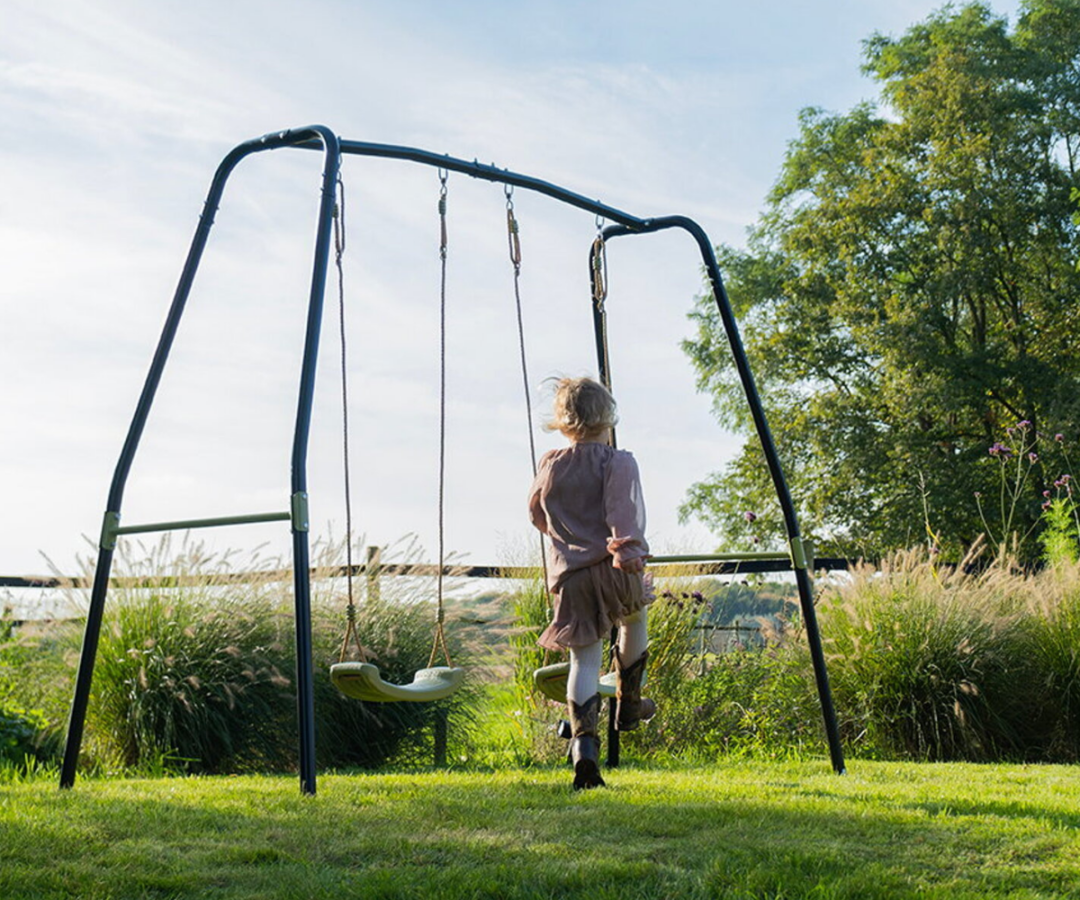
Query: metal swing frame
point(320, 138)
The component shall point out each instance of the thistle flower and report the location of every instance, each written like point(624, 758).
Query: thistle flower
point(1033, 457)
point(1059, 437)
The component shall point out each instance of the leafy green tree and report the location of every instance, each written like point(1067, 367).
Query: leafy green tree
point(910, 291)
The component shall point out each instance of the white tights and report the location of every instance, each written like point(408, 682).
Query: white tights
point(584, 678)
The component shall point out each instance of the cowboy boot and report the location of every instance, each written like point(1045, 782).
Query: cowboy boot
point(585, 743)
point(630, 706)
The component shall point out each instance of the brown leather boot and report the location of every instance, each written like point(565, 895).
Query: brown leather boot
point(631, 707)
point(585, 743)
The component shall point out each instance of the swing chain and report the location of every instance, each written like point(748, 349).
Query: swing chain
point(339, 254)
point(440, 633)
point(515, 259)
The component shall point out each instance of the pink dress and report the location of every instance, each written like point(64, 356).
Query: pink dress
point(587, 499)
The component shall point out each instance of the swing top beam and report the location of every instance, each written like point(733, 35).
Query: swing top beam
point(486, 172)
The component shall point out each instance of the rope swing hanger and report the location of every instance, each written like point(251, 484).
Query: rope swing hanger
point(361, 680)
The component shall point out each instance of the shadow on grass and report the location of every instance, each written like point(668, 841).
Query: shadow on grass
point(526, 836)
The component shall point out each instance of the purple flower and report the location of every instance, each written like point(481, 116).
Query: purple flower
point(978, 494)
point(1059, 437)
point(1046, 493)
point(1023, 425)
point(1065, 479)
point(1033, 457)
point(750, 516)
point(1046, 505)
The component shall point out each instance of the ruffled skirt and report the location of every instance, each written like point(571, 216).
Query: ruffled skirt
point(589, 602)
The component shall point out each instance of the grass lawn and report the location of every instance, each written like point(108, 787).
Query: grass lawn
point(768, 830)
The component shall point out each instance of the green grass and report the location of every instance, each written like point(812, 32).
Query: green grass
point(885, 830)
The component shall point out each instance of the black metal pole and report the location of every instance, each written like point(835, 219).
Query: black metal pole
point(80, 701)
point(305, 691)
point(787, 506)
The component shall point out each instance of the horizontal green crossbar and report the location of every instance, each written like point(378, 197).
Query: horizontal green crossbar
point(185, 524)
point(720, 557)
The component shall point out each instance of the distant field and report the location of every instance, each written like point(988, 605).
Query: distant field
point(884, 830)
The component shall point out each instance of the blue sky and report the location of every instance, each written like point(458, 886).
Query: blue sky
point(116, 113)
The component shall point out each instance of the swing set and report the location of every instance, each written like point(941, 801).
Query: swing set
point(362, 679)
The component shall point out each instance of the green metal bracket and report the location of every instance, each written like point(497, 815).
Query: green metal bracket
point(802, 553)
point(300, 511)
point(109, 529)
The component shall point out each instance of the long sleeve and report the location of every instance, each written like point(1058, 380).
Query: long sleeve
point(624, 509)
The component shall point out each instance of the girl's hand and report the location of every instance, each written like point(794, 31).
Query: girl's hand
point(634, 566)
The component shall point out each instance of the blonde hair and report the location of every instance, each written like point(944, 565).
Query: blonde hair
point(581, 408)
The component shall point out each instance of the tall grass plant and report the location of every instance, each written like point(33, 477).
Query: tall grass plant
point(195, 669)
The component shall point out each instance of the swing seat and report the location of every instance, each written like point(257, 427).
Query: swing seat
point(362, 681)
point(551, 682)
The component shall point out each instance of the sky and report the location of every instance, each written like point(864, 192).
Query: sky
point(116, 114)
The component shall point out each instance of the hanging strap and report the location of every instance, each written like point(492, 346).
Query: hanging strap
point(339, 253)
point(440, 632)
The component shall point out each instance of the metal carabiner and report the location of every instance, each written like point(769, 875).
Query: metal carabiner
point(443, 175)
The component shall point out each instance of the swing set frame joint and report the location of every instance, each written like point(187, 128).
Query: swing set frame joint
point(299, 512)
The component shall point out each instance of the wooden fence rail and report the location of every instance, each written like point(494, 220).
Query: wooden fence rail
point(376, 569)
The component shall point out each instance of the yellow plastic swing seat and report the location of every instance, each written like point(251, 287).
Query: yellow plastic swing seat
point(551, 682)
point(362, 681)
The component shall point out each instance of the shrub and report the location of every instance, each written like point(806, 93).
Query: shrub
point(1047, 702)
point(531, 716)
point(195, 668)
point(24, 736)
point(919, 659)
point(756, 701)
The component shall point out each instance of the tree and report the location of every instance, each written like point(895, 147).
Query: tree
point(911, 291)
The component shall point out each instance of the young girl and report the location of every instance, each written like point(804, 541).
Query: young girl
point(587, 499)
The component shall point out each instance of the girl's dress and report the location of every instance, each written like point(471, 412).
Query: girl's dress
point(587, 499)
